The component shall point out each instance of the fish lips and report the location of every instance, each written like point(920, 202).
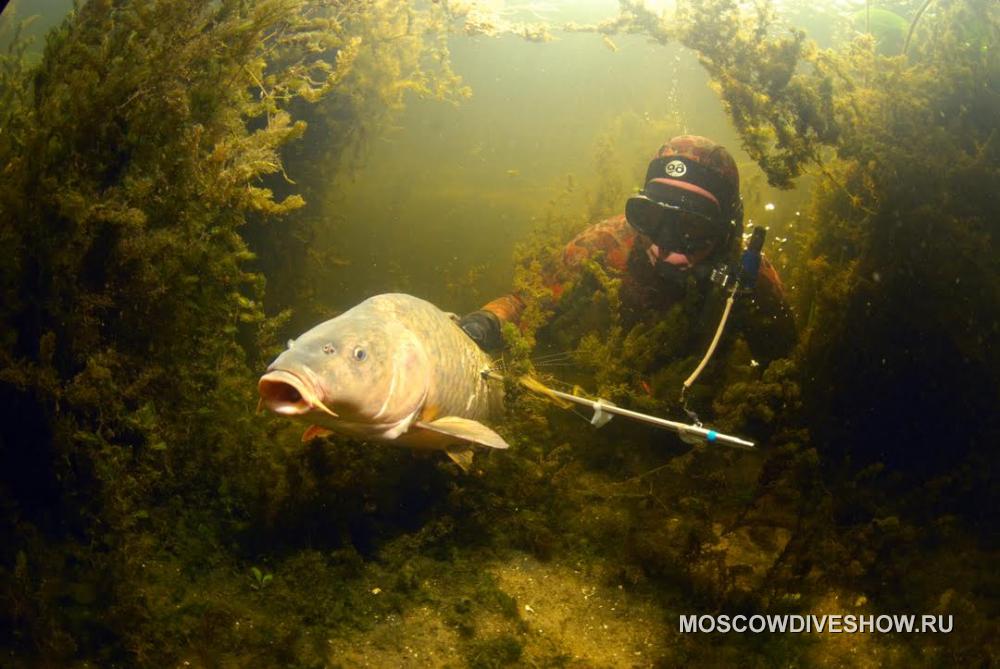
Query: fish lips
point(287, 394)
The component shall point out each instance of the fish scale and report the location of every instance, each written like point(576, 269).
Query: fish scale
point(453, 357)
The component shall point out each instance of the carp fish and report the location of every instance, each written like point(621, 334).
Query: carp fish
point(395, 369)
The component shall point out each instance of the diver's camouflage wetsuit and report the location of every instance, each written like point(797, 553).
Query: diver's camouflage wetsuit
point(763, 317)
point(685, 222)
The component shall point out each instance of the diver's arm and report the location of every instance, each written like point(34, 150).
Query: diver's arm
point(768, 325)
point(484, 325)
point(611, 238)
point(507, 309)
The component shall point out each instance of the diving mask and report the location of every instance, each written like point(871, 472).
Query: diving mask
point(671, 227)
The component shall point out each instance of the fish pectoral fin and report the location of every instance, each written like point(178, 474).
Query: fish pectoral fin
point(460, 456)
point(314, 431)
point(465, 430)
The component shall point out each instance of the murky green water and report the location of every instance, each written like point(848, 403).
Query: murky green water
point(477, 177)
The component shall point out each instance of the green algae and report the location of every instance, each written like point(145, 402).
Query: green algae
point(134, 321)
point(885, 205)
point(880, 213)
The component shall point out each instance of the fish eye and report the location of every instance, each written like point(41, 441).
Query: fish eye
point(359, 353)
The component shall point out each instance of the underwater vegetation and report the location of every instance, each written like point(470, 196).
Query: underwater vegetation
point(395, 50)
point(132, 318)
point(161, 173)
point(869, 473)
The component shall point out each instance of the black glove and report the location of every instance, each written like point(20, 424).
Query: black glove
point(483, 327)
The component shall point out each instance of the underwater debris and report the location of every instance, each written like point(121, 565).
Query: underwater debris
point(494, 24)
point(533, 32)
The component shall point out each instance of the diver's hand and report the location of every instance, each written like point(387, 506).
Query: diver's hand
point(483, 328)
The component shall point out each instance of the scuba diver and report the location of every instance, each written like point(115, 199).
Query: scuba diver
point(681, 232)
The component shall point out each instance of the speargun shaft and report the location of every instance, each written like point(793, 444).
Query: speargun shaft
point(604, 410)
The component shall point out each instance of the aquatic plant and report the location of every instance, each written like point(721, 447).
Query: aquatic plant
point(259, 579)
point(896, 349)
point(136, 483)
point(133, 320)
point(905, 179)
point(385, 52)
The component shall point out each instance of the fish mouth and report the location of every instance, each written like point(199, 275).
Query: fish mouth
point(286, 394)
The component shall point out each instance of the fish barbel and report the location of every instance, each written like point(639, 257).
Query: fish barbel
point(394, 368)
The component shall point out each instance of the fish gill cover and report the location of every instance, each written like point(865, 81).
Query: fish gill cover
point(165, 167)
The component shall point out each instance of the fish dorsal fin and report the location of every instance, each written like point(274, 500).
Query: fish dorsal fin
point(314, 431)
point(465, 430)
point(460, 456)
